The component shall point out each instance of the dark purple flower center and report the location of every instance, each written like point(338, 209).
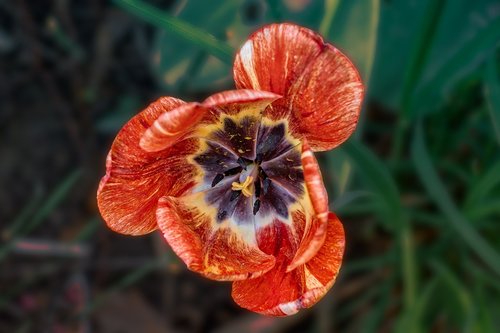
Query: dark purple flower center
point(251, 169)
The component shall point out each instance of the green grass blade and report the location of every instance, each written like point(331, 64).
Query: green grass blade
point(463, 61)
point(437, 191)
point(26, 213)
point(480, 188)
point(180, 28)
point(421, 50)
point(492, 93)
point(331, 7)
point(463, 298)
point(415, 66)
point(128, 280)
point(372, 40)
point(379, 179)
point(54, 199)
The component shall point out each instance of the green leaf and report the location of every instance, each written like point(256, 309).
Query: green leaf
point(378, 177)
point(176, 66)
point(440, 79)
point(492, 94)
point(437, 191)
point(480, 189)
point(418, 58)
point(463, 298)
point(375, 173)
point(182, 29)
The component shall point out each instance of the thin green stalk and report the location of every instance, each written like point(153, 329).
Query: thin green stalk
point(408, 266)
point(54, 199)
point(331, 7)
point(182, 29)
point(128, 280)
point(492, 93)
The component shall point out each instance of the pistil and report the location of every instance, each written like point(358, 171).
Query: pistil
point(245, 187)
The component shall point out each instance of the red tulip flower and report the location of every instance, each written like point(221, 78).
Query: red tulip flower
point(232, 182)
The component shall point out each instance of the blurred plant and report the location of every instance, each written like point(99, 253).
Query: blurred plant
point(421, 212)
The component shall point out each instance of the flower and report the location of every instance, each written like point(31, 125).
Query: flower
point(232, 182)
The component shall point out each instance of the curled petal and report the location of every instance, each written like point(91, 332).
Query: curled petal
point(314, 183)
point(315, 226)
point(280, 293)
point(171, 125)
point(215, 251)
point(322, 90)
point(135, 180)
point(233, 98)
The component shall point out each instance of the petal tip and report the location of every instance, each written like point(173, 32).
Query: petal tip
point(170, 126)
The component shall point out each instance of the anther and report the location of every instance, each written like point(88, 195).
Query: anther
point(234, 195)
point(233, 171)
point(256, 206)
point(265, 185)
point(257, 188)
point(221, 215)
point(258, 158)
point(262, 173)
point(217, 179)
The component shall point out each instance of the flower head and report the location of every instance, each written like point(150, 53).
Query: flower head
point(232, 182)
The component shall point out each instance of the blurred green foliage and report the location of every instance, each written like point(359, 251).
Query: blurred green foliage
point(419, 183)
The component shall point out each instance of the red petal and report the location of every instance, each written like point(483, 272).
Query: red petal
point(135, 180)
point(171, 125)
point(275, 56)
point(280, 293)
point(321, 89)
point(216, 251)
point(326, 100)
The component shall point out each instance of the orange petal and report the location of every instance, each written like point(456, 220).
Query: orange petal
point(326, 100)
point(280, 293)
point(171, 125)
point(322, 90)
point(135, 179)
point(216, 251)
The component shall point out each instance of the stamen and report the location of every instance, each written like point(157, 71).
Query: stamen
point(244, 187)
point(258, 158)
point(265, 185)
point(262, 173)
point(221, 215)
point(256, 206)
point(233, 171)
point(217, 179)
point(257, 188)
point(234, 195)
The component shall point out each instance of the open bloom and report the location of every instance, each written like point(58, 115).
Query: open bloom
point(232, 182)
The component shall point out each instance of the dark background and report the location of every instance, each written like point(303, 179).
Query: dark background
point(417, 187)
